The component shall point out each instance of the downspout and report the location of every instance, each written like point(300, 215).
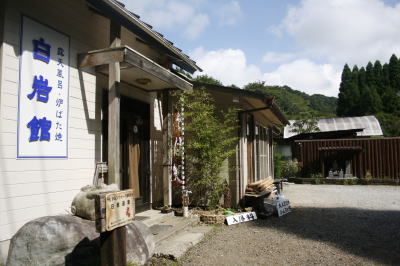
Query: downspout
point(239, 160)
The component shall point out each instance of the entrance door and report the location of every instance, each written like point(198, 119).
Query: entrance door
point(135, 150)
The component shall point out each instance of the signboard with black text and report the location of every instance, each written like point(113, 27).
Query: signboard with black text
point(120, 209)
point(241, 217)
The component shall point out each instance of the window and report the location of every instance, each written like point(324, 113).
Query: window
point(262, 153)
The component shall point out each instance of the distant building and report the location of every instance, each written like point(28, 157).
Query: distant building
point(344, 147)
point(330, 128)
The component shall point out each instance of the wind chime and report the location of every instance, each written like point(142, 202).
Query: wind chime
point(178, 159)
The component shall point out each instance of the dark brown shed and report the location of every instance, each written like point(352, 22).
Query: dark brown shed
point(378, 156)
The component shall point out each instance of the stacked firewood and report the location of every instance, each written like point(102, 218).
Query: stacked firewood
point(261, 186)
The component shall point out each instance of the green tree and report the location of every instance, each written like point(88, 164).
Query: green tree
point(390, 124)
point(344, 100)
point(295, 103)
point(391, 101)
point(209, 140)
point(361, 78)
point(385, 76)
point(370, 75)
point(208, 79)
point(370, 101)
point(374, 90)
point(394, 72)
point(306, 125)
point(378, 77)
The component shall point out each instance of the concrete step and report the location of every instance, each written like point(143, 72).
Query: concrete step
point(173, 235)
point(176, 245)
point(152, 217)
point(171, 226)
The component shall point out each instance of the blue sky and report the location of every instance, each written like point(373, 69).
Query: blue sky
point(300, 43)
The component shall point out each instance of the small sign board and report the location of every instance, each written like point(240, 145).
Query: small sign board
point(120, 209)
point(283, 207)
point(241, 217)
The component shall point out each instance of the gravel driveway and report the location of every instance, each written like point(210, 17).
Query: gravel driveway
point(329, 225)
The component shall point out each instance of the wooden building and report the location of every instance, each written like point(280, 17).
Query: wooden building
point(258, 119)
point(351, 145)
point(378, 156)
point(81, 82)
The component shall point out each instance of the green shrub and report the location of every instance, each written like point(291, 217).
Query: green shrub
point(210, 138)
point(316, 175)
point(278, 168)
point(317, 181)
point(368, 175)
point(290, 169)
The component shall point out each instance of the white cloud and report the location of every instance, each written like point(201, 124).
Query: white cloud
point(273, 57)
point(230, 67)
point(353, 31)
point(306, 76)
point(167, 15)
point(227, 65)
point(196, 26)
point(230, 13)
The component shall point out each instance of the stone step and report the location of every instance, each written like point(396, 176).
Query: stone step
point(152, 217)
point(176, 245)
point(171, 226)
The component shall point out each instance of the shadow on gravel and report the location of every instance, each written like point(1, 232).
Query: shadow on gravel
point(368, 233)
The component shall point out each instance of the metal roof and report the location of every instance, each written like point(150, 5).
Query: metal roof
point(179, 58)
point(368, 125)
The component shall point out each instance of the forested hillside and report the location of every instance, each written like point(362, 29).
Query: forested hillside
point(372, 90)
point(296, 104)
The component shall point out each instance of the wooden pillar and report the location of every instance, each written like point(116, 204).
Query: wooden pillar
point(243, 154)
point(167, 147)
point(114, 153)
point(113, 247)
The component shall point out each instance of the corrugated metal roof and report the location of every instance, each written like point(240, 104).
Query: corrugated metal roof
point(369, 124)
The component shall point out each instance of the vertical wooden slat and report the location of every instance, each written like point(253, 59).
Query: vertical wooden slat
point(377, 163)
point(396, 147)
point(389, 158)
point(382, 157)
point(392, 162)
point(369, 161)
point(375, 159)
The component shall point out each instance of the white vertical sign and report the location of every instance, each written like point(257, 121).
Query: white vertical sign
point(43, 92)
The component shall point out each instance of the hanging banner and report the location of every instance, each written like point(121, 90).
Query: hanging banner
point(43, 92)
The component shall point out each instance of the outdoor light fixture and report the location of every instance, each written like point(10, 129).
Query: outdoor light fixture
point(143, 81)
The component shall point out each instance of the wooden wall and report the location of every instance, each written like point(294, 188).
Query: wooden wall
point(379, 156)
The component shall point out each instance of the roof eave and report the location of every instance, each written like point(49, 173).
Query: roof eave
point(182, 61)
point(267, 99)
